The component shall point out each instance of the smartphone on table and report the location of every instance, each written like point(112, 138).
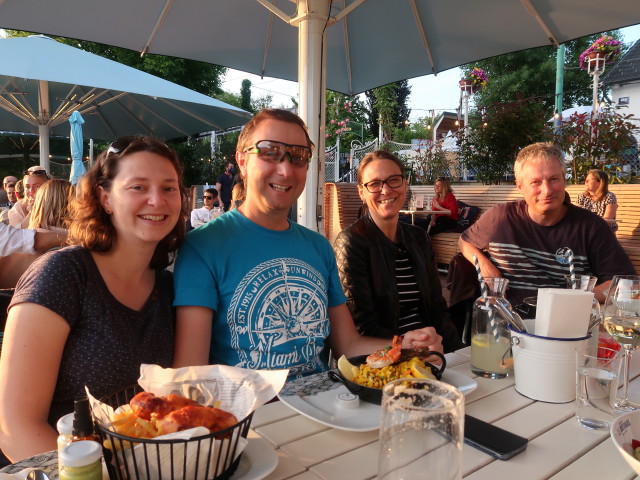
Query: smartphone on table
point(495, 441)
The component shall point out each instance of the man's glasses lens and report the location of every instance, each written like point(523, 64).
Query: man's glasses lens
point(208, 197)
point(275, 152)
point(375, 186)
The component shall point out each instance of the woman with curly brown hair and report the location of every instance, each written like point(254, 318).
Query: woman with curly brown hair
point(91, 313)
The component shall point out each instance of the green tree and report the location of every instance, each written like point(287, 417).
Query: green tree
point(491, 150)
point(532, 73)
point(388, 103)
point(202, 77)
point(596, 145)
point(245, 96)
point(345, 117)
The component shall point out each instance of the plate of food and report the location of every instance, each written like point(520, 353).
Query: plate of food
point(336, 399)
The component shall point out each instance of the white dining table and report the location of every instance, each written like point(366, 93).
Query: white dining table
point(559, 447)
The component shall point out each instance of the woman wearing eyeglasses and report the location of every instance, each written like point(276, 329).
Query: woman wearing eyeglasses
point(387, 268)
point(91, 313)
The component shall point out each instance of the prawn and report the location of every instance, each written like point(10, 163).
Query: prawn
point(386, 356)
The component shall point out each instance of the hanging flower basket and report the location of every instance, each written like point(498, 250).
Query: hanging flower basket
point(467, 86)
point(475, 80)
point(603, 51)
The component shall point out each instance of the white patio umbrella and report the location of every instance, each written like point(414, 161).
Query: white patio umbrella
point(357, 44)
point(43, 82)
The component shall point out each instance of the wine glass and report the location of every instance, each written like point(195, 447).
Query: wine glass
point(621, 314)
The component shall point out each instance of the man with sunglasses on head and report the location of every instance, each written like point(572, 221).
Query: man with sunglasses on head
point(33, 179)
point(268, 296)
point(200, 216)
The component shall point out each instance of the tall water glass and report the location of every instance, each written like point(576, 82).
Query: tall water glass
point(421, 431)
point(621, 313)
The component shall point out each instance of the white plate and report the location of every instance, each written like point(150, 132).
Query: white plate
point(258, 460)
point(323, 407)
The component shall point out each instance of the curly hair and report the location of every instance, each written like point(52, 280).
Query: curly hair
point(91, 226)
point(50, 207)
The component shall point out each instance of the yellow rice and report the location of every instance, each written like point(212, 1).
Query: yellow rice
point(379, 377)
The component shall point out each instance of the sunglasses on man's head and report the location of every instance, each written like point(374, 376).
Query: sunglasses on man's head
point(274, 152)
point(40, 173)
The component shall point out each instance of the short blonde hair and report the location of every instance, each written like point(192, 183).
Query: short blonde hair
point(537, 152)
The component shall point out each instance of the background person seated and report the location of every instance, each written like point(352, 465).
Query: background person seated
point(387, 268)
point(33, 179)
point(50, 207)
point(200, 216)
point(598, 199)
point(443, 201)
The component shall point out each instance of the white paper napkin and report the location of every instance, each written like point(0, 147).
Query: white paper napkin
point(562, 313)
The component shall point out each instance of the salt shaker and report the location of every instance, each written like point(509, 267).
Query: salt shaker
point(65, 428)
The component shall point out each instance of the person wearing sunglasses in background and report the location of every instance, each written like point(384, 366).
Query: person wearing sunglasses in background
point(33, 179)
point(387, 268)
point(268, 296)
point(91, 313)
point(200, 216)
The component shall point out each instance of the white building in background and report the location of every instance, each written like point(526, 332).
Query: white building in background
point(623, 77)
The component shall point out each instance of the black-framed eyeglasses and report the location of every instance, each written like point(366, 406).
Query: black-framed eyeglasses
point(39, 173)
point(375, 186)
point(208, 197)
point(274, 152)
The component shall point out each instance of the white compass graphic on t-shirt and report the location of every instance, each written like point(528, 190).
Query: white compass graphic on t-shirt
point(278, 315)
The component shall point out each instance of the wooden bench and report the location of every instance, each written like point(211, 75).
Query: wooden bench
point(341, 204)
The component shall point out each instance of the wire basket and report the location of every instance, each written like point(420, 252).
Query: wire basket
point(207, 457)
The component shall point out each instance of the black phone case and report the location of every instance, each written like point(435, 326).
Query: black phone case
point(494, 441)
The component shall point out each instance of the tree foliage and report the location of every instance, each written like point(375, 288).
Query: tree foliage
point(599, 144)
point(346, 117)
point(245, 96)
point(202, 77)
point(532, 74)
point(491, 150)
point(388, 103)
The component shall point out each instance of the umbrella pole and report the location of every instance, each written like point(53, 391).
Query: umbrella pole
point(44, 147)
point(311, 86)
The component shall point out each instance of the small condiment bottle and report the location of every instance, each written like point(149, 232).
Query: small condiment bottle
point(81, 461)
point(82, 422)
point(65, 428)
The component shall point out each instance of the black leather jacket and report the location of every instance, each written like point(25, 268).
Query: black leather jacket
point(366, 264)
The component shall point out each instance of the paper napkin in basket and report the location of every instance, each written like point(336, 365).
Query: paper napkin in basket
point(236, 390)
point(563, 313)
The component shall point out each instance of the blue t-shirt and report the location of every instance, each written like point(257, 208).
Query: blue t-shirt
point(270, 290)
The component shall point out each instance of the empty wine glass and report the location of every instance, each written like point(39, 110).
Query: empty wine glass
point(621, 313)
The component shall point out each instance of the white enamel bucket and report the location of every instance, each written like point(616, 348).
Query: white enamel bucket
point(545, 367)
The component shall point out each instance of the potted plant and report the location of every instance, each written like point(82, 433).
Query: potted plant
point(604, 50)
point(476, 79)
